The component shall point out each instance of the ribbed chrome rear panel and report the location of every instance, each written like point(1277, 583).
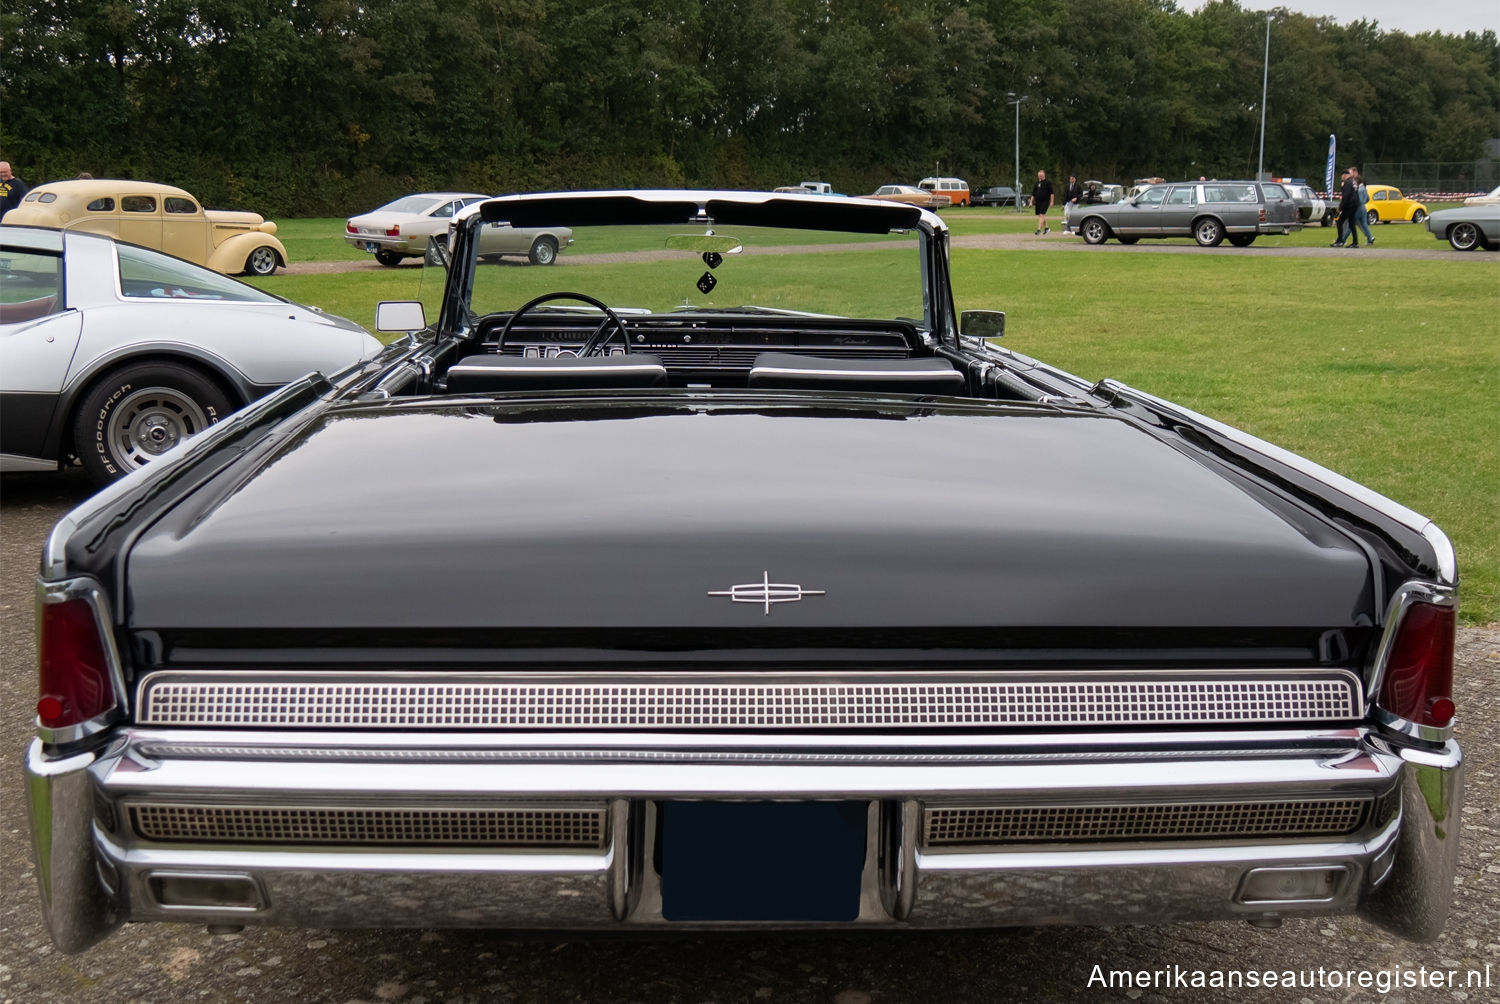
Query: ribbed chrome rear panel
point(542, 828)
point(704, 702)
point(987, 826)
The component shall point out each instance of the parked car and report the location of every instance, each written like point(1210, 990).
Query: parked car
point(1468, 227)
point(1490, 198)
point(114, 353)
point(956, 189)
point(685, 604)
point(1387, 205)
point(155, 216)
point(911, 196)
point(998, 195)
point(1310, 205)
point(1096, 192)
point(402, 229)
point(1207, 211)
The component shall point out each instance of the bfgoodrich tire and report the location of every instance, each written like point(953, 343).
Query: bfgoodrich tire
point(135, 413)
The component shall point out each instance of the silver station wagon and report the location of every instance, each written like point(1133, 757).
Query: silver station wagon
point(1207, 211)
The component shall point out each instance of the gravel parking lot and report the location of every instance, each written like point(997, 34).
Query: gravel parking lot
point(167, 963)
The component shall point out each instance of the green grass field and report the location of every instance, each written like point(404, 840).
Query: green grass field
point(1384, 370)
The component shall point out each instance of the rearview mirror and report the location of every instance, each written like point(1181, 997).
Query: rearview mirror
point(400, 315)
point(705, 243)
point(982, 323)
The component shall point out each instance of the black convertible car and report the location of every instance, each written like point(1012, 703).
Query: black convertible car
point(726, 576)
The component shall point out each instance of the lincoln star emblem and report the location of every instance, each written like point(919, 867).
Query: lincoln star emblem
point(765, 592)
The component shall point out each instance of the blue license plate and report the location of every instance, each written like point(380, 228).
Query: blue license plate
point(778, 861)
point(371, 246)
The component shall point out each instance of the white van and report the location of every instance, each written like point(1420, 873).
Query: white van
point(956, 189)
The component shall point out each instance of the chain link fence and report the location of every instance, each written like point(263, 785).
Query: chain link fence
point(1416, 178)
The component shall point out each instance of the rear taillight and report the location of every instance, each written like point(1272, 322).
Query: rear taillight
point(1418, 682)
point(394, 231)
point(74, 680)
point(351, 228)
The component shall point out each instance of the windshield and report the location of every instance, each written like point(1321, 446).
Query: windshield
point(673, 268)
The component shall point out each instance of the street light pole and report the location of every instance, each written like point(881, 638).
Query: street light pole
point(1265, 76)
point(1011, 99)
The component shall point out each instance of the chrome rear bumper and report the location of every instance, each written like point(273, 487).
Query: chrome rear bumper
point(407, 830)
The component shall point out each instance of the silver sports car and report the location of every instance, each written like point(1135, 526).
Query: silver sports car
point(401, 229)
point(114, 353)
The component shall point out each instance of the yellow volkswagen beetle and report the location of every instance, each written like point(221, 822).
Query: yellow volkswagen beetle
point(1388, 205)
point(156, 216)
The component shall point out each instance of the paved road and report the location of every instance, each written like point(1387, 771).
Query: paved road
point(169, 963)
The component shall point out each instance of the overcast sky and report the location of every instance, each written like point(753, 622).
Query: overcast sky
point(1452, 16)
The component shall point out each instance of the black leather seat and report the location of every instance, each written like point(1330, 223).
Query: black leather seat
point(488, 373)
point(786, 370)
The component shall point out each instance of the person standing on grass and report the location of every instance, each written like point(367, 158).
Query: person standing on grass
point(1041, 201)
point(1363, 219)
point(12, 189)
point(1348, 207)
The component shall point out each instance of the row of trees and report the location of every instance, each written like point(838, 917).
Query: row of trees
point(323, 107)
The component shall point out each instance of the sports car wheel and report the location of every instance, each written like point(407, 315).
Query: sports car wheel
point(1418, 216)
point(1464, 237)
point(388, 257)
point(1094, 230)
point(1208, 232)
point(1372, 216)
point(543, 251)
point(1242, 240)
point(138, 412)
point(262, 261)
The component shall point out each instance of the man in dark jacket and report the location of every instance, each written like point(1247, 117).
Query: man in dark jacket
point(1348, 209)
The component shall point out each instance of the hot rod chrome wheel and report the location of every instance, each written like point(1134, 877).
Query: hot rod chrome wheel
point(136, 413)
point(262, 261)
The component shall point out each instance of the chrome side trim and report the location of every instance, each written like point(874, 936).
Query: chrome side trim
point(89, 591)
point(11, 462)
point(733, 702)
point(1387, 507)
point(1406, 594)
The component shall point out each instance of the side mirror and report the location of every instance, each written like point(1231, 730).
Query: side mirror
point(400, 315)
point(982, 323)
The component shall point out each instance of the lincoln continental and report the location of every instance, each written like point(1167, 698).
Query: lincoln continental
point(727, 576)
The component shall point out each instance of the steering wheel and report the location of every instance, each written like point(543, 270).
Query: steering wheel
point(596, 341)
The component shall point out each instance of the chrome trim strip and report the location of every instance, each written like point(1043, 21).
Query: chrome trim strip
point(731, 702)
point(89, 591)
point(1387, 507)
point(12, 462)
point(1447, 559)
point(1405, 595)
